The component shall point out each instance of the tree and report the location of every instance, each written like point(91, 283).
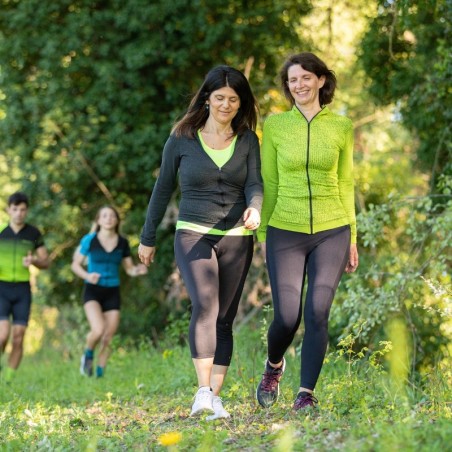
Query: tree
point(91, 89)
point(405, 238)
point(407, 58)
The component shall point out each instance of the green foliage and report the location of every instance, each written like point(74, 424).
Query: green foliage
point(265, 323)
point(407, 58)
point(177, 329)
point(407, 241)
point(89, 91)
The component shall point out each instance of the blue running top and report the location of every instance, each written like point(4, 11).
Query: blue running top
point(103, 262)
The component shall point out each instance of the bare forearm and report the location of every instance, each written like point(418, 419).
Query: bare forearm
point(79, 270)
point(136, 270)
point(41, 263)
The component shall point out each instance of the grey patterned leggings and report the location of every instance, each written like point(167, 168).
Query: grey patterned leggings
point(214, 270)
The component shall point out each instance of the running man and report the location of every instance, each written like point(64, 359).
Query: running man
point(21, 245)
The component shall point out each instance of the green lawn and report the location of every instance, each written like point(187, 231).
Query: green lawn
point(145, 398)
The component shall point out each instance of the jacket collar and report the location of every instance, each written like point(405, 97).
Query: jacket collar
point(324, 111)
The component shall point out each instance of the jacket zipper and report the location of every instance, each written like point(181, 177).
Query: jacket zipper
point(311, 220)
point(14, 260)
point(311, 214)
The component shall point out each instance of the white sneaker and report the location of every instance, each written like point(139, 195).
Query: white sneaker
point(219, 411)
point(203, 401)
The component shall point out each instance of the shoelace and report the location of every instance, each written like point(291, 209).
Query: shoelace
point(203, 395)
point(270, 380)
point(304, 401)
point(218, 406)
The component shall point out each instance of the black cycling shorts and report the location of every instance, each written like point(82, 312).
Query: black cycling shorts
point(15, 301)
point(109, 298)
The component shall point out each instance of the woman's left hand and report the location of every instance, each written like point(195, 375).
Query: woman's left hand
point(352, 263)
point(252, 218)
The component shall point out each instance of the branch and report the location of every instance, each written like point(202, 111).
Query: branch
point(369, 118)
point(248, 65)
point(435, 162)
point(102, 187)
point(392, 28)
point(60, 248)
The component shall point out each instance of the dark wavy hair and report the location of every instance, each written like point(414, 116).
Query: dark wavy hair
point(18, 198)
point(217, 78)
point(311, 63)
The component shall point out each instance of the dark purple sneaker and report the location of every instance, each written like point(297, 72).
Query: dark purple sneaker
point(268, 390)
point(304, 400)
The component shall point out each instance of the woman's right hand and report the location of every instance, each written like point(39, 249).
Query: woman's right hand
point(146, 254)
point(93, 278)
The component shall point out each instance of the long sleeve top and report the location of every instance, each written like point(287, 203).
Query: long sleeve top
point(307, 169)
point(210, 196)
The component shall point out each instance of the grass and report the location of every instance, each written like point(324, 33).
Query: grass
point(143, 403)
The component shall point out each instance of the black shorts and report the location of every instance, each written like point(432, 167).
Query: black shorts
point(15, 301)
point(109, 298)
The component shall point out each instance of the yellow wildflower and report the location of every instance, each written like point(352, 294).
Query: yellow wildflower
point(170, 438)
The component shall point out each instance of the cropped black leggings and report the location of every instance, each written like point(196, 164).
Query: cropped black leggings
point(214, 270)
point(291, 256)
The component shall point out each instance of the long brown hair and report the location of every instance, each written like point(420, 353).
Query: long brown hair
point(96, 227)
point(197, 113)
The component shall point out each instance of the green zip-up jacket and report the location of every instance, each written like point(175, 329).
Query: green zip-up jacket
point(307, 169)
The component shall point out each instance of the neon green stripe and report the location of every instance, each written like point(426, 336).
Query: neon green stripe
point(11, 254)
point(239, 231)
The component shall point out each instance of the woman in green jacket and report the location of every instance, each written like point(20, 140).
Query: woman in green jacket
point(308, 219)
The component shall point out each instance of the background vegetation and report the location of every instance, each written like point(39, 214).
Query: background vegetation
point(88, 93)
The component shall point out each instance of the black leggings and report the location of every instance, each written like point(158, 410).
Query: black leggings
point(214, 270)
point(291, 256)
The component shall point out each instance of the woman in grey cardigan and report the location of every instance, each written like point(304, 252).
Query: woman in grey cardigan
point(214, 153)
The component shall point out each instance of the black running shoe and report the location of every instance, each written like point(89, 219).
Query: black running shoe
point(304, 400)
point(268, 390)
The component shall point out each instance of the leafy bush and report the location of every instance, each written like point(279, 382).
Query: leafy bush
point(405, 249)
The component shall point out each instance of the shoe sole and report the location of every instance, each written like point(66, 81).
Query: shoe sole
point(214, 417)
point(201, 411)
